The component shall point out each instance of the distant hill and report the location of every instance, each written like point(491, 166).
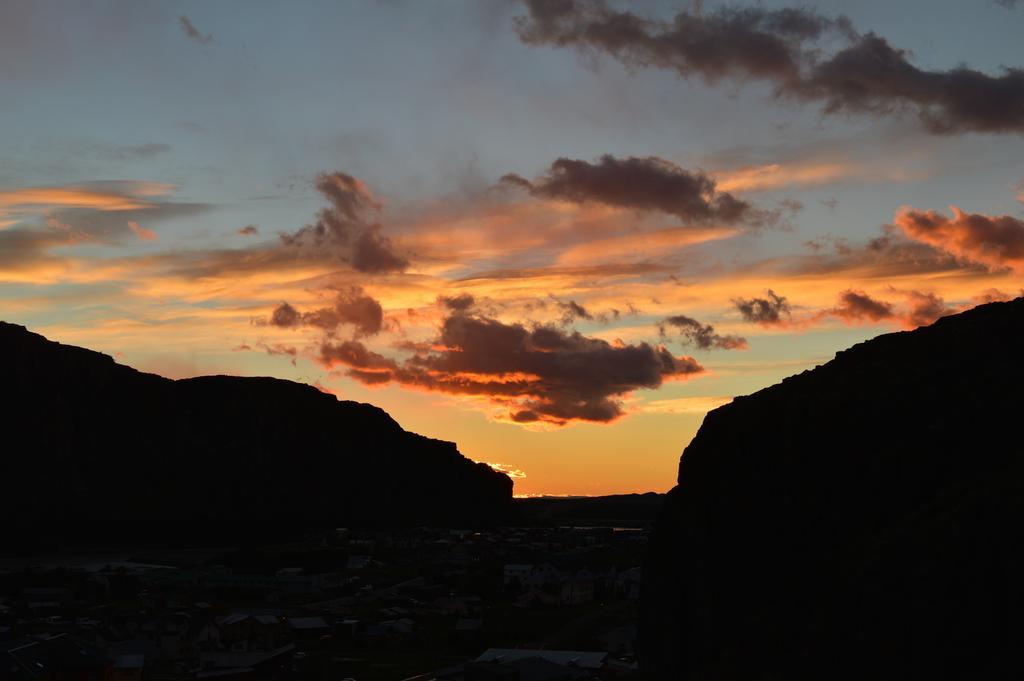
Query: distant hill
point(616, 510)
point(863, 520)
point(95, 453)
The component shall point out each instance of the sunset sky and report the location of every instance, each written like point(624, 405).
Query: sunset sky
point(556, 233)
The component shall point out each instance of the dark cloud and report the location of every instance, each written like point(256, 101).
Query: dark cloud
point(648, 184)
point(572, 311)
point(995, 241)
point(788, 48)
point(249, 230)
point(855, 306)
point(460, 303)
point(345, 229)
point(285, 316)
point(351, 307)
point(375, 253)
point(539, 374)
point(730, 42)
point(772, 310)
point(871, 76)
point(699, 335)
point(354, 354)
point(193, 33)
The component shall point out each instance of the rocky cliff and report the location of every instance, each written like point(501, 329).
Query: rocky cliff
point(95, 453)
point(861, 520)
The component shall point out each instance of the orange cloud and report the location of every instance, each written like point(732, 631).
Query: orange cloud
point(640, 245)
point(776, 176)
point(995, 241)
point(104, 196)
point(141, 232)
point(919, 309)
point(858, 306)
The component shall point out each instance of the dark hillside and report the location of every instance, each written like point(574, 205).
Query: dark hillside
point(96, 453)
point(861, 520)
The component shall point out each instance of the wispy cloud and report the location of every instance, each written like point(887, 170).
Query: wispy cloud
point(685, 405)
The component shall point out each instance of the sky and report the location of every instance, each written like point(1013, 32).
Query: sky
point(556, 233)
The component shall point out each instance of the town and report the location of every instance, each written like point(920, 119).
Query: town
point(533, 603)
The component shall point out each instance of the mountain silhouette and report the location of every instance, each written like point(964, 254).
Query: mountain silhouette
point(860, 520)
point(95, 453)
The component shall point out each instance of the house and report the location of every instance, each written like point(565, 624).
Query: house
point(203, 633)
point(578, 588)
point(544, 575)
point(456, 605)
point(169, 633)
point(628, 583)
point(535, 598)
point(307, 628)
point(517, 573)
point(243, 632)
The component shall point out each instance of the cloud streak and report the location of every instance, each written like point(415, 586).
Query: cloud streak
point(102, 196)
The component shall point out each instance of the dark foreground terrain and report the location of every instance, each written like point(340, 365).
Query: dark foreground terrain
point(531, 604)
point(97, 454)
point(859, 521)
point(862, 520)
